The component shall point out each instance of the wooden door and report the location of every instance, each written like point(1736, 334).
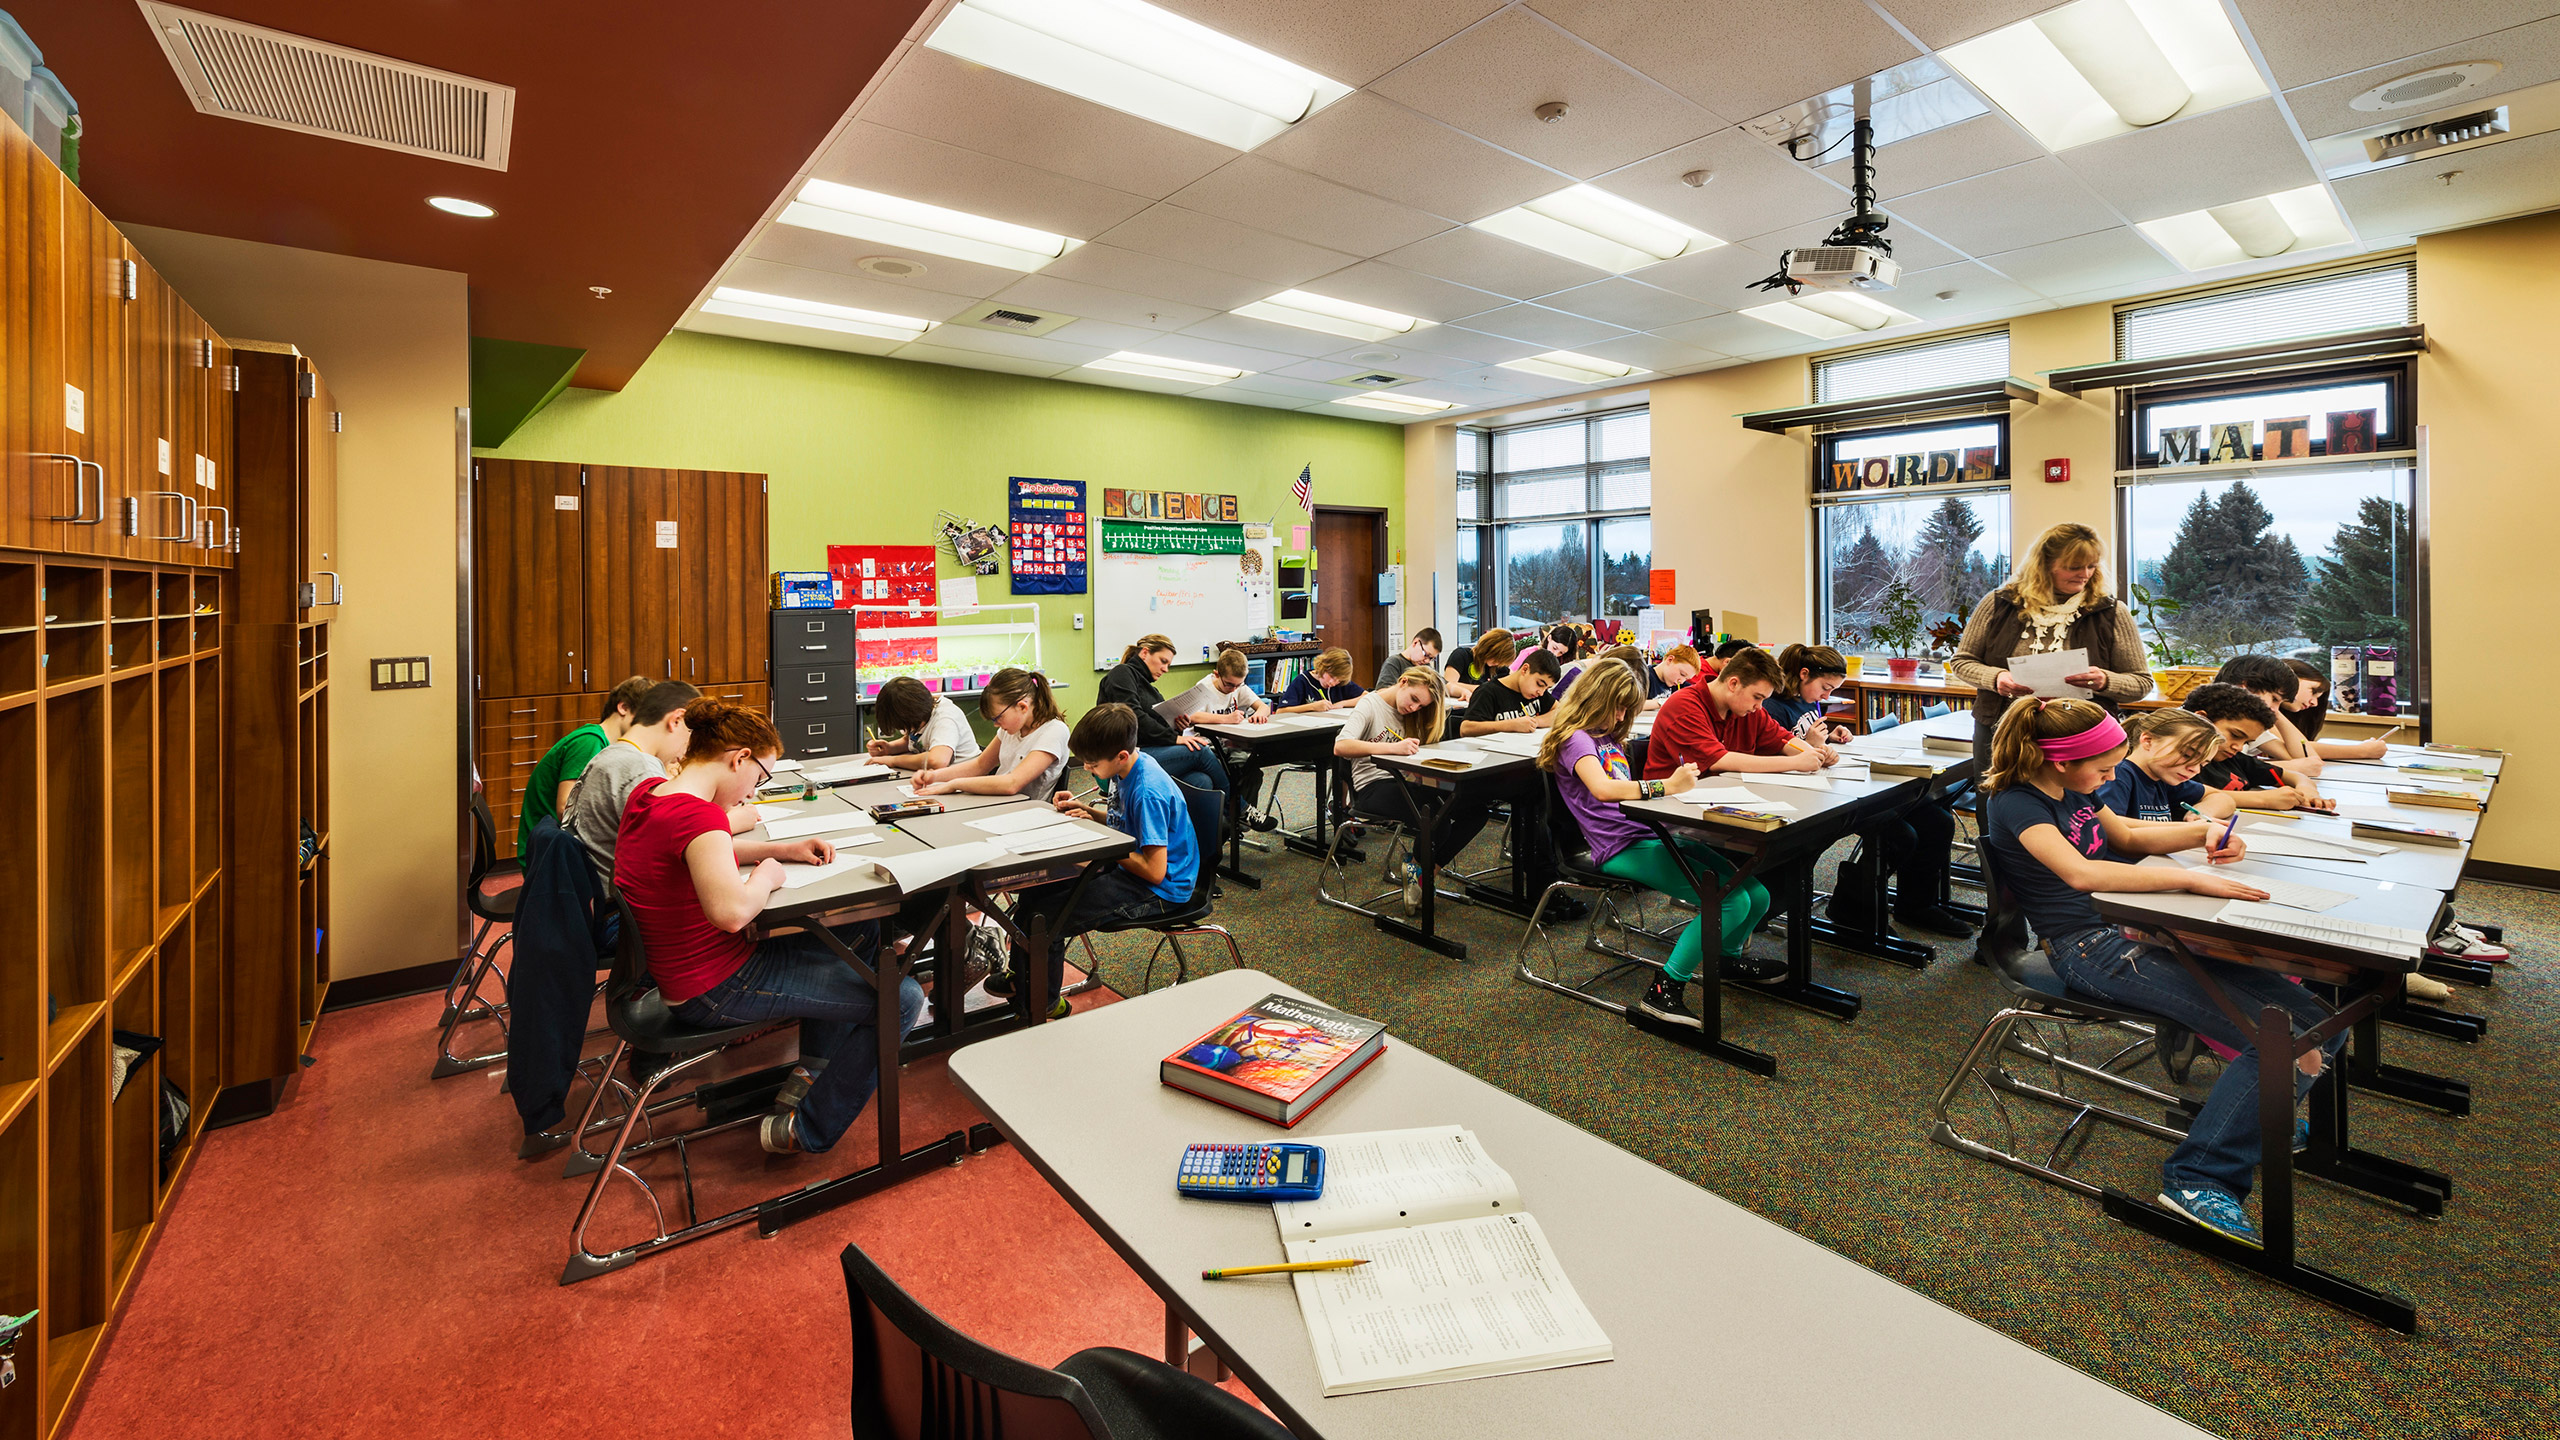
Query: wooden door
point(321, 561)
point(33, 486)
point(78, 401)
point(1350, 546)
point(631, 574)
point(218, 382)
point(721, 582)
point(169, 506)
point(527, 583)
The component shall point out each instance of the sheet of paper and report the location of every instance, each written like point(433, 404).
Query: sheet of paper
point(770, 813)
point(1512, 742)
point(1015, 821)
point(780, 766)
point(2045, 672)
point(843, 771)
point(1796, 782)
point(796, 876)
point(924, 869)
point(958, 596)
point(2292, 894)
point(1454, 1301)
point(2300, 847)
point(1380, 1179)
point(828, 823)
point(1447, 752)
point(2323, 929)
point(1733, 795)
point(1054, 837)
point(2253, 823)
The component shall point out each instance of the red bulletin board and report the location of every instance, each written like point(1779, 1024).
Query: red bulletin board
point(890, 578)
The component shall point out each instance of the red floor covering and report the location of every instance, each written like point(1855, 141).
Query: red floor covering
point(373, 1260)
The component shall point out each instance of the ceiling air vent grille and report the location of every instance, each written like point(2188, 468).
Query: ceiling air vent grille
point(988, 315)
point(1374, 380)
point(1012, 319)
point(270, 77)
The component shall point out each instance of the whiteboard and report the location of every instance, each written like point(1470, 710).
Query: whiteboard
point(1193, 600)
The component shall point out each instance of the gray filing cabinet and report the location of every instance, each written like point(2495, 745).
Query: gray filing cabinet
point(815, 701)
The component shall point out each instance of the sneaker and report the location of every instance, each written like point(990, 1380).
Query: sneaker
point(780, 1134)
point(2425, 987)
point(999, 983)
point(1568, 908)
point(1664, 1000)
point(1061, 1009)
point(793, 1091)
point(2215, 1211)
point(2177, 1047)
point(1411, 874)
point(2301, 1133)
point(1263, 820)
point(2461, 942)
point(1934, 919)
point(1756, 969)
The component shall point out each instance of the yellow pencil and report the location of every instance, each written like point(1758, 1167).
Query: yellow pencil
point(1233, 1271)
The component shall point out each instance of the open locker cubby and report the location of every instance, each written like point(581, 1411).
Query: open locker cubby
point(22, 983)
point(75, 875)
point(132, 848)
point(75, 1248)
point(133, 1132)
point(177, 795)
point(21, 1253)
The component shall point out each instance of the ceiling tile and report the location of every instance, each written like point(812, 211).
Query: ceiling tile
point(1254, 191)
point(1406, 292)
point(930, 354)
point(1630, 303)
point(875, 157)
point(2235, 153)
point(1179, 346)
point(1376, 145)
point(1263, 335)
point(1056, 292)
point(1538, 325)
point(2307, 40)
point(1303, 381)
point(2529, 53)
point(1720, 277)
point(1652, 352)
point(862, 292)
point(1737, 57)
point(800, 335)
point(819, 250)
point(2084, 262)
point(1970, 289)
point(1911, 249)
point(2510, 178)
point(1940, 23)
point(1956, 152)
point(1149, 383)
point(1353, 41)
point(1021, 347)
point(1234, 393)
point(1110, 335)
point(1731, 335)
point(1489, 262)
point(1410, 358)
point(1118, 269)
point(1465, 397)
point(1461, 343)
point(2006, 209)
point(933, 95)
point(1490, 81)
point(1222, 244)
point(1752, 187)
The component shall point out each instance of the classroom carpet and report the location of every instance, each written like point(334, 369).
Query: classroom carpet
point(372, 1259)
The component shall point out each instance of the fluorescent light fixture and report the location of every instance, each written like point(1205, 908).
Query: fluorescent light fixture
point(1161, 367)
point(1396, 404)
point(1140, 61)
point(2280, 224)
point(1829, 314)
point(470, 208)
point(813, 314)
point(1599, 229)
point(2097, 68)
point(914, 225)
point(1329, 316)
point(1565, 365)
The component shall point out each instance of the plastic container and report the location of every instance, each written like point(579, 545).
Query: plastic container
point(19, 58)
point(2346, 677)
point(2381, 680)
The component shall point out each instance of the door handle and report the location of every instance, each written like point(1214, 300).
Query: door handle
point(183, 510)
point(208, 542)
point(80, 491)
point(337, 587)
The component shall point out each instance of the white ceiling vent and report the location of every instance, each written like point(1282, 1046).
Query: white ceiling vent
point(269, 77)
point(1011, 319)
point(1374, 380)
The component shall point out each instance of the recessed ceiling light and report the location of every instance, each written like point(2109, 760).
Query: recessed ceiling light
point(1326, 315)
point(2280, 224)
point(1565, 365)
point(889, 220)
point(1398, 404)
point(1829, 314)
point(1375, 357)
point(2097, 68)
point(2427, 87)
point(451, 206)
point(1163, 367)
point(1141, 61)
point(890, 267)
point(813, 314)
point(1599, 229)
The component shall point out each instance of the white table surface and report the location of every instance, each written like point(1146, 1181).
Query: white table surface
point(1724, 1324)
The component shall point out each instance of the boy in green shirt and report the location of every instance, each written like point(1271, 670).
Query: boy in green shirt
point(556, 774)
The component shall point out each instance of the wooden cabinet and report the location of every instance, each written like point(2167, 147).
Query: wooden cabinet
point(630, 578)
point(321, 423)
point(526, 571)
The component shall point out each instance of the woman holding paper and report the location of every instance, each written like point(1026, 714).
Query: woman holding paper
point(2056, 601)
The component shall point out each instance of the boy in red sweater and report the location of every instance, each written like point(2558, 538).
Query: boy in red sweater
point(1718, 725)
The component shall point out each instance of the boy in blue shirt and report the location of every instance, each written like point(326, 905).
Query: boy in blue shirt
point(1147, 806)
point(1325, 685)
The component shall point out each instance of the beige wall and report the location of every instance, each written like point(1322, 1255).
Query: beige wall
point(394, 341)
point(1729, 509)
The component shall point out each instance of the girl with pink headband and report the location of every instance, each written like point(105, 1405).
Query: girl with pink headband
point(2050, 843)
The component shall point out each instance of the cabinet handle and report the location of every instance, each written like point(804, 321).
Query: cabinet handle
point(207, 541)
point(80, 492)
point(184, 505)
point(813, 749)
point(337, 587)
point(528, 710)
point(811, 699)
point(513, 736)
point(817, 647)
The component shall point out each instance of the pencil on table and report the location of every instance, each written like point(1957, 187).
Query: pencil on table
point(1293, 1268)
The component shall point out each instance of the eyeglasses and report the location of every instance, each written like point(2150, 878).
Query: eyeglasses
point(761, 770)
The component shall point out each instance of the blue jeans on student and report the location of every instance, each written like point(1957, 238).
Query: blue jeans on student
point(1198, 769)
point(2221, 1150)
point(798, 976)
point(1113, 894)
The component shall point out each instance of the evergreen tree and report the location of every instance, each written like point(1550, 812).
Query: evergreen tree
point(1859, 575)
point(1942, 569)
point(1553, 584)
point(2367, 587)
point(2241, 585)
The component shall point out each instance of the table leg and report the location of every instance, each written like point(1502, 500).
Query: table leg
point(1877, 941)
point(1426, 935)
point(1799, 987)
point(2366, 1070)
point(1709, 1040)
point(1231, 865)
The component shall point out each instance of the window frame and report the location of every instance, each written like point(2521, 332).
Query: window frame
point(2401, 376)
point(1829, 442)
point(1483, 534)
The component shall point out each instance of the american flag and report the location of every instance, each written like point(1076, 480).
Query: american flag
point(1304, 489)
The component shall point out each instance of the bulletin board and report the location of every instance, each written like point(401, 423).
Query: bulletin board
point(1048, 536)
point(1193, 600)
point(880, 584)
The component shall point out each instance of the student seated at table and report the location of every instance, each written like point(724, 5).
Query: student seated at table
point(1719, 726)
point(1031, 742)
point(1147, 806)
point(2309, 710)
point(1585, 751)
point(1326, 684)
point(547, 790)
point(2055, 843)
point(1423, 650)
point(1626, 655)
point(1564, 642)
point(1678, 666)
point(2244, 721)
point(1520, 700)
point(2271, 680)
point(676, 866)
point(1395, 720)
point(649, 748)
point(1812, 673)
point(2157, 779)
point(1471, 665)
point(919, 730)
point(1187, 758)
point(1224, 699)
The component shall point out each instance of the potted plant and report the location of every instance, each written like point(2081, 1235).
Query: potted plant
point(2173, 667)
point(1943, 637)
point(1896, 627)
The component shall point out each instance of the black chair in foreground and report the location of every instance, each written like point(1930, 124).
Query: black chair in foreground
point(1191, 917)
point(1539, 961)
point(916, 1378)
point(492, 903)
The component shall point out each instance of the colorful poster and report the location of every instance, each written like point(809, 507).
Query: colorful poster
point(1048, 536)
point(880, 584)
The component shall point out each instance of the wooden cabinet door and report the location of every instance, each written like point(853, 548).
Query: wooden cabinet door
point(79, 402)
point(33, 485)
point(169, 497)
point(527, 580)
point(217, 381)
point(720, 581)
point(631, 574)
point(321, 562)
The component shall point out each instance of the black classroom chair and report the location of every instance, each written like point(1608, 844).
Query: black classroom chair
point(1191, 917)
point(490, 908)
point(1575, 873)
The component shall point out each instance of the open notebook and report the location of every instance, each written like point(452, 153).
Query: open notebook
point(1461, 1283)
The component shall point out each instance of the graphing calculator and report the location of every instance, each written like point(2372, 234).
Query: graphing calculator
point(1251, 1172)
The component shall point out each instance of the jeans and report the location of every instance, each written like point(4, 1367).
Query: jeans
point(797, 975)
point(1112, 894)
point(1649, 863)
point(1916, 845)
point(2222, 1146)
point(1198, 769)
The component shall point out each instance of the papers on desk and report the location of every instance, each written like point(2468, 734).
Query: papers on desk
point(1801, 782)
point(1310, 720)
point(2392, 940)
point(1445, 757)
point(779, 767)
point(1733, 795)
point(2293, 895)
point(1052, 837)
point(845, 770)
point(924, 869)
point(2300, 847)
point(1382, 1179)
point(1016, 821)
point(2045, 673)
point(796, 876)
point(833, 820)
point(1512, 742)
point(770, 813)
point(2253, 822)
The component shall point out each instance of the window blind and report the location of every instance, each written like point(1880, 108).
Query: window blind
point(1905, 368)
point(2368, 299)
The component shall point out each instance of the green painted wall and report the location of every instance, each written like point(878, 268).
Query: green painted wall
point(865, 451)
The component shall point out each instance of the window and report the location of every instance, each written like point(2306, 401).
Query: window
point(1907, 368)
point(2369, 299)
point(1554, 521)
point(1880, 527)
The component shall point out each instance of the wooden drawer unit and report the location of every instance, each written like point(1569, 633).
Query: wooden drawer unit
point(758, 698)
point(811, 637)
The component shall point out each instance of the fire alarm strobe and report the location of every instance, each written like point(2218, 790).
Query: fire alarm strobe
point(2057, 472)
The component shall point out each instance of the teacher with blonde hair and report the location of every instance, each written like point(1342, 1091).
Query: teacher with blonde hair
point(2056, 600)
